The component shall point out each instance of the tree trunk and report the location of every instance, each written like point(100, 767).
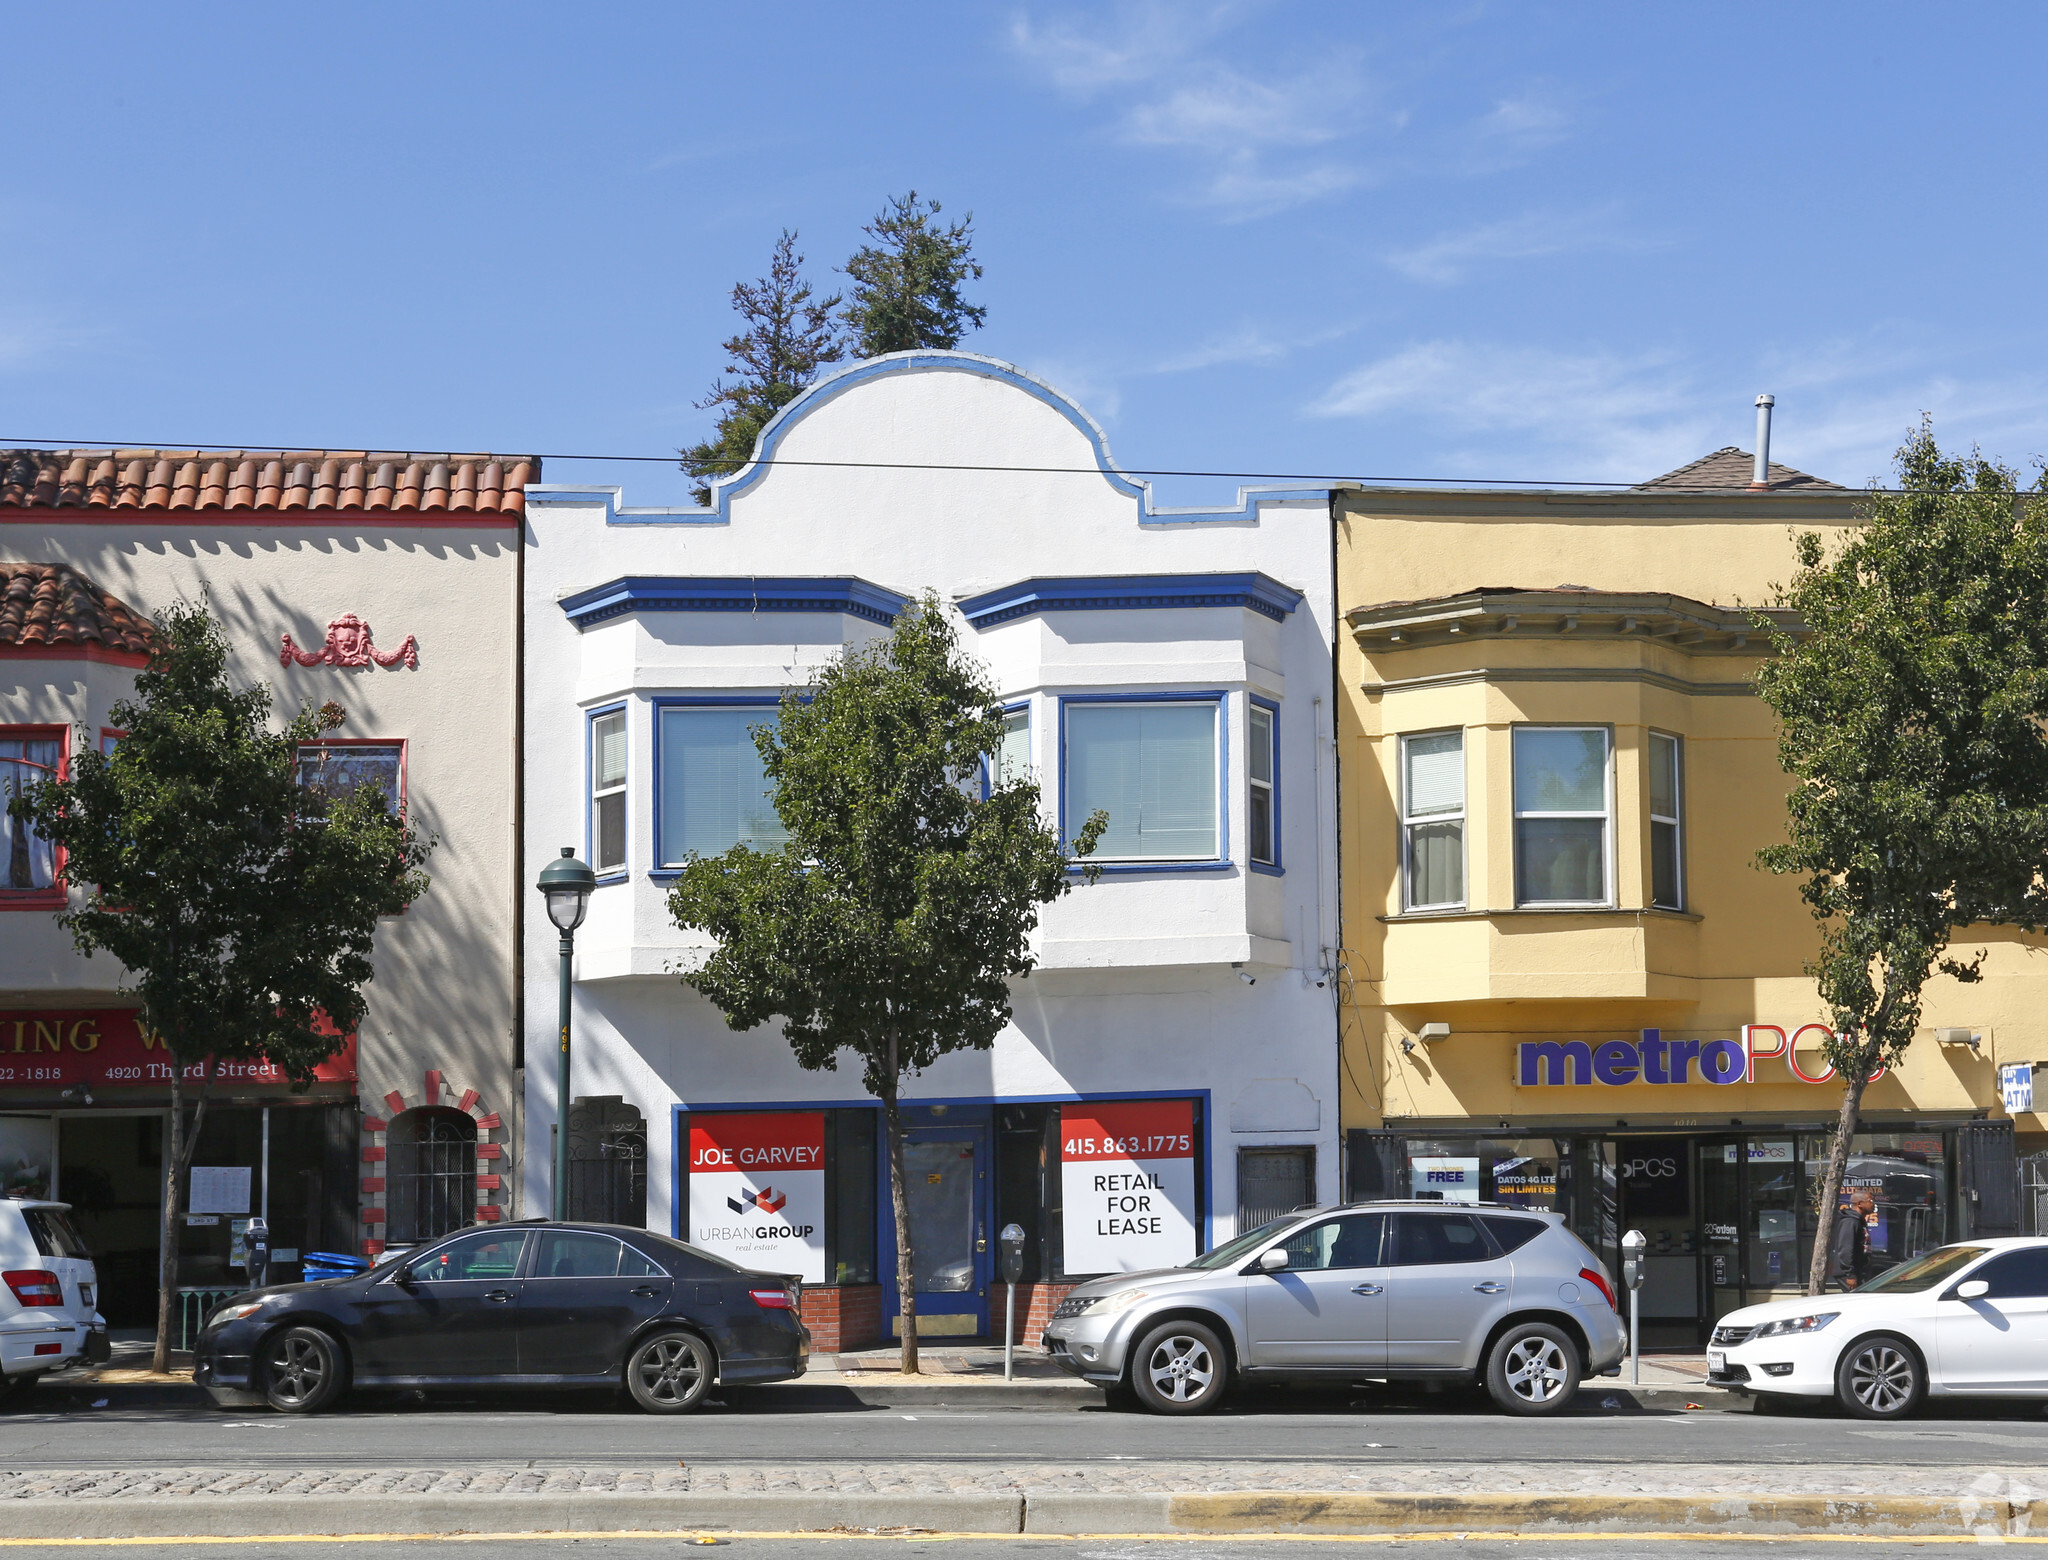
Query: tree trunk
point(1838, 1166)
point(179, 1147)
point(899, 1203)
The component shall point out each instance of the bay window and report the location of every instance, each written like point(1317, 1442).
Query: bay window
point(1433, 820)
point(28, 862)
point(1152, 768)
point(1563, 807)
point(1667, 863)
point(608, 791)
point(1013, 757)
point(1261, 766)
point(710, 787)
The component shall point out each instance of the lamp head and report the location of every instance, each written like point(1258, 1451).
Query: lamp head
point(566, 885)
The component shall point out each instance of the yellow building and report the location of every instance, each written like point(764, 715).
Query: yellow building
point(1567, 984)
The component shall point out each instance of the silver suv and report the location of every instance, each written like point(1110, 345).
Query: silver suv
point(1380, 1291)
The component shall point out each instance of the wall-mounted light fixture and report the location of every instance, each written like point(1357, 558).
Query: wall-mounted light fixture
point(1436, 1031)
point(1968, 1037)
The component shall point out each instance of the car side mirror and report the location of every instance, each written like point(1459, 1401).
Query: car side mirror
point(403, 1278)
point(1972, 1289)
point(1273, 1259)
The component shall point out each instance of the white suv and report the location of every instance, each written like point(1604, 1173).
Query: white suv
point(49, 1293)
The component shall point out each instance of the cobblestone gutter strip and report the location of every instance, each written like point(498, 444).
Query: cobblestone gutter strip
point(1097, 1498)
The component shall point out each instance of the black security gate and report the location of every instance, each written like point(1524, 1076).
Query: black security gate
point(607, 1161)
point(432, 1171)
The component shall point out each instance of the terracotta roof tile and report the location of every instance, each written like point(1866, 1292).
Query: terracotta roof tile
point(308, 481)
point(47, 604)
point(1729, 467)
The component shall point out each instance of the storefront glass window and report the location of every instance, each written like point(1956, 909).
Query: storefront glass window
point(1514, 1172)
point(1772, 1217)
point(1905, 1176)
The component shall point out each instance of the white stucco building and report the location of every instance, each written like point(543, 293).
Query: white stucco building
point(1170, 666)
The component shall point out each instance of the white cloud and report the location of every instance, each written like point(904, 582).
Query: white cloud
point(1536, 235)
point(1246, 344)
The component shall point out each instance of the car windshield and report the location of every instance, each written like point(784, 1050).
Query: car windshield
point(1910, 1278)
point(1231, 1250)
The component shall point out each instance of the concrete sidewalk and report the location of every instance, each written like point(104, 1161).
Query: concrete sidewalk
point(1151, 1497)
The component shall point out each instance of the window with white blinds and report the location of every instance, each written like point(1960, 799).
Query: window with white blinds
point(713, 792)
point(1433, 820)
point(608, 791)
point(1152, 769)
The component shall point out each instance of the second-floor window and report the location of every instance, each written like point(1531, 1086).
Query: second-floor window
point(1261, 768)
point(1433, 820)
point(608, 791)
point(1667, 862)
point(1563, 803)
point(1152, 769)
point(340, 769)
point(1013, 758)
point(712, 791)
point(28, 862)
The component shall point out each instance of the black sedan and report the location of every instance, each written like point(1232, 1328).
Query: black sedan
point(533, 1304)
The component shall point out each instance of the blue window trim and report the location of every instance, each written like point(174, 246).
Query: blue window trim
point(1130, 592)
point(1011, 708)
point(679, 1164)
point(1218, 697)
point(657, 870)
point(590, 719)
point(631, 593)
point(1278, 866)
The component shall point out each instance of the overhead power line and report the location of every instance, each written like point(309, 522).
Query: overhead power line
point(888, 465)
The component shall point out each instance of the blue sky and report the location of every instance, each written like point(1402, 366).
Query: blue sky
point(1483, 240)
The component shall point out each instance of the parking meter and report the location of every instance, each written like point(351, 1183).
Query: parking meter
point(1010, 1254)
point(1632, 1245)
point(256, 1252)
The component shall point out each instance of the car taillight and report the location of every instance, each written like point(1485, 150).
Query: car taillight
point(1601, 1284)
point(772, 1299)
point(34, 1286)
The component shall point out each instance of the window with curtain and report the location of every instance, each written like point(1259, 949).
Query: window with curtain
point(1667, 862)
point(608, 791)
point(28, 862)
point(1433, 820)
point(1562, 801)
point(1013, 758)
point(340, 769)
point(1260, 768)
point(1152, 769)
point(714, 794)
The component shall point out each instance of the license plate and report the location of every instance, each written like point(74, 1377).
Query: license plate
point(1716, 1360)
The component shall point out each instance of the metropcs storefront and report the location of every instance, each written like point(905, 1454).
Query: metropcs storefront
point(1713, 1145)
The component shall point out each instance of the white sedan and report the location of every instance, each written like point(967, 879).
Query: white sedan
point(1968, 1320)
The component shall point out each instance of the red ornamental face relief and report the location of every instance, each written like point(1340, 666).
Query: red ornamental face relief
point(758, 1144)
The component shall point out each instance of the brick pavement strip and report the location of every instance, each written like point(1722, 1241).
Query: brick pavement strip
point(1135, 1497)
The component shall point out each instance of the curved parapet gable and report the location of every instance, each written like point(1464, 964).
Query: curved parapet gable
point(835, 385)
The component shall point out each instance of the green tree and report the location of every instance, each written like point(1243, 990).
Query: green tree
point(906, 282)
point(788, 338)
point(1911, 713)
point(901, 909)
point(243, 904)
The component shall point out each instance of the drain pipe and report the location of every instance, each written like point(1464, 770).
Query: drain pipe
point(1762, 477)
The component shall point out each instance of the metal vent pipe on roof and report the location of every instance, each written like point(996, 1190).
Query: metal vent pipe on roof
point(1762, 476)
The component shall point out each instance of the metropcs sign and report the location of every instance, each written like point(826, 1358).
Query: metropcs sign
point(1653, 1059)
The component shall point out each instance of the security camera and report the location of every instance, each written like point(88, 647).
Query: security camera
point(1249, 980)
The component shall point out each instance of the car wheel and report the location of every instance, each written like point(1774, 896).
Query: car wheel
point(1179, 1368)
point(670, 1373)
point(1533, 1369)
point(301, 1370)
point(1880, 1377)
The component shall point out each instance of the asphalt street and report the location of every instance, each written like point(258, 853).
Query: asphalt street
point(596, 1432)
point(548, 1546)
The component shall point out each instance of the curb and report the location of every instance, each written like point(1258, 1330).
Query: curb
point(200, 1516)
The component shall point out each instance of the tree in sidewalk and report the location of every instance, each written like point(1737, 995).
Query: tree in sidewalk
point(789, 337)
point(900, 910)
point(242, 904)
point(907, 281)
point(1911, 714)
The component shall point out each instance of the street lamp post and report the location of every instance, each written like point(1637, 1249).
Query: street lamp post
point(566, 885)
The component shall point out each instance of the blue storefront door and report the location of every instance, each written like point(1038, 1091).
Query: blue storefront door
point(946, 1186)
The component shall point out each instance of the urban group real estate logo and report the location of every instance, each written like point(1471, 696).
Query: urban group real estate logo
point(757, 1189)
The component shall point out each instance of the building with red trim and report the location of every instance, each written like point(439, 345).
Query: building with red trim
point(387, 582)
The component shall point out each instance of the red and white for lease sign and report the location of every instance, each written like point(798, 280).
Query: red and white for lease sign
point(757, 1189)
point(1127, 1173)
